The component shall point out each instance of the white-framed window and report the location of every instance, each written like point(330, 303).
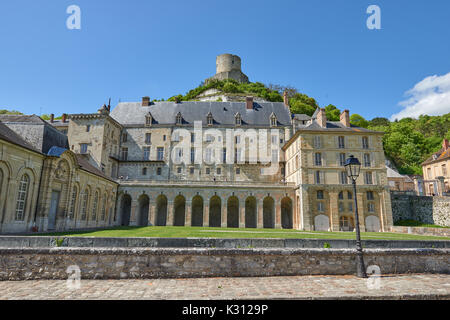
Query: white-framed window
point(343, 179)
point(210, 119)
point(103, 214)
point(160, 154)
point(125, 154)
point(22, 195)
point(367, 162)
point(317, 142)
point(365, 142)
point(84, 203)
point(341, 142)
point(238, 119)
point(146, 153)
point(371, 207)
point(148, 138)
point(368, 178)
point(179, 118)
point(148, 120)
point(273, 120)
point(83, 148)
point(94, 206)
point(73, 201)
point(318, 159)
point(320, 206)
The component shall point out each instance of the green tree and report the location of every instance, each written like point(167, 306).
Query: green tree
point(333, 113)
point(359, 121)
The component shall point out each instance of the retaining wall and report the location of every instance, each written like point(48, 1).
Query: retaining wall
point(97, 242)
point(440, 232)
point(142, 263)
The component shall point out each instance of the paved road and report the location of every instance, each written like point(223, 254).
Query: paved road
point(417, 286)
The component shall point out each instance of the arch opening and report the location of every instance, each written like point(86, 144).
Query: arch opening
point(233, 212)
point(268, 212)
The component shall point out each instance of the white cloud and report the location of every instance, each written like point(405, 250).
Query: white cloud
point(431, 96)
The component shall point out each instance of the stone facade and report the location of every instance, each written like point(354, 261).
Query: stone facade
point(45, 188)
point(436, 172)
point(228, 66)
point(20, 172)
point(426, 209)
point(315, 159)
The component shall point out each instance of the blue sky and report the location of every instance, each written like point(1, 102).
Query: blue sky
point(129, 49)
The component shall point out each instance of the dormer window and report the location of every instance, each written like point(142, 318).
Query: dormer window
point(148, 120)
point(209, 119)
point(179, 118)
point(273, 120)
point(238, 119)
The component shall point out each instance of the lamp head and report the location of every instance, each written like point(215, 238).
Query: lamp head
point(352, 167)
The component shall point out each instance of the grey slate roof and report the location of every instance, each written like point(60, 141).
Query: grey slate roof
point(8, 135)
point(334, 126)
point(132, 113)
point(301, 117)
point(34, 119)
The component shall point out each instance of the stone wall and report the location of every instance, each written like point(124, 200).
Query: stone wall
point(440, 232)
point(228, 243)
point(430, 210)
point(102, 263)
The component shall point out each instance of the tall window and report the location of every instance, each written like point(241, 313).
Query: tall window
point(317, 142)
point(103, 214)
point(22, 197)
point(320, 194)
point(367, 162)
point(73, 200)
point(144, 171)
point(158, 171)
point(224, 155)
point(342, 159)
point(368, 178)
point(124, 137)
point(192, 155)
point(318, 159)
point(84, 203)
point(88, 128)
point(341, 142)
point(148, 138)
point(365, 142)
point(208, 155)
point(318, 177)
point(146, 153)
point(94, 206)
point(160, 153)
point(370, 195)
point(124, 153)
point(371, 207)
point(444, 170)
point(1, 180)
point(343, 177)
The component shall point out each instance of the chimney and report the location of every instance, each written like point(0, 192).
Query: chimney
point(286, 99)
point(249, 103)
point(322, 118)
point(445, 144)
point(64, 117)
point(52, 118)
point(345, 118)
point(145, 101)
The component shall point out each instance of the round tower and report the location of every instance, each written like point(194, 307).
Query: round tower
point(227, 62)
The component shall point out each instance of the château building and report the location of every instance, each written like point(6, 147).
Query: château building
point(248, 164)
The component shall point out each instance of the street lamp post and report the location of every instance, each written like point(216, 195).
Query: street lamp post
point(352, 167)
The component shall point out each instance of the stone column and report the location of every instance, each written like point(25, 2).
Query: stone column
point(151, 213)
point(223, 214)
point(133, 213)
point(188, 215)
point(169, 221)
point(206, 214)
point(277, 213)
point(259, 213)
point(241, 213)
point(334, 211)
